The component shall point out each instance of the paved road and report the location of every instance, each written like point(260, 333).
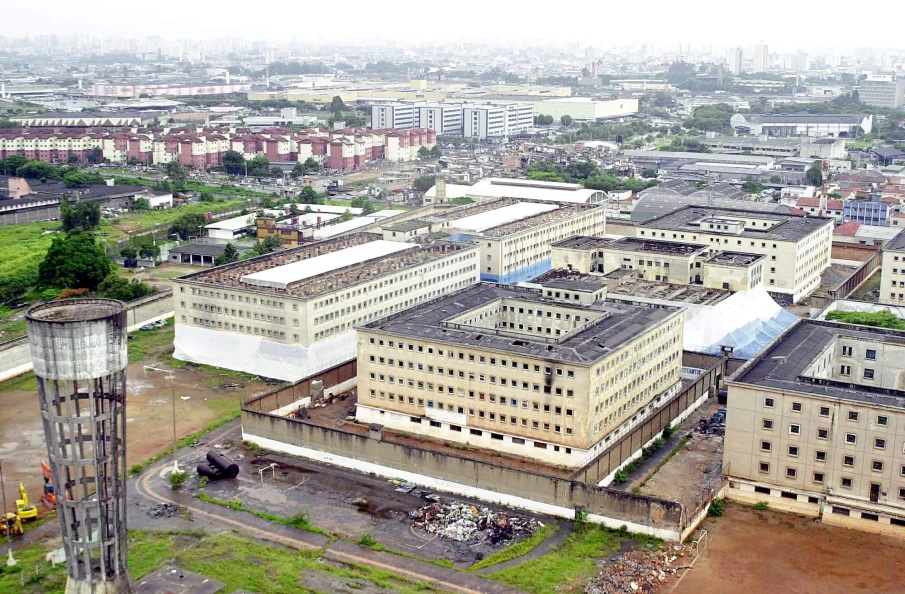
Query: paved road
point(156, 491)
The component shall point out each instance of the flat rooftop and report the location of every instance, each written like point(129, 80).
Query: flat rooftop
point(614, 326)
point(335, 273)
point(784, 363)
point(740, 259)
point(666, 248)
point(583, 242)
point(281, 277)
point(785, 227)
point(406, 226)
point(624, 282)
point(501, 216)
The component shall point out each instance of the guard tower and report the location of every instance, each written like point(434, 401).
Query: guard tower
point(79, 351)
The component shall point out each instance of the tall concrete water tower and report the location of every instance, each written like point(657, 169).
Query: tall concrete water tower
point(79, 351)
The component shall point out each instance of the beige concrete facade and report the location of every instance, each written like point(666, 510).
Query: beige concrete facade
point(214, 299)
point(795, 251)
point(664, 261)
point(832, 452)
point(523, 403)
point(892, 271)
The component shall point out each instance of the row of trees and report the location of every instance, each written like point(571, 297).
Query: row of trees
point(587, 174)
point(547, 120)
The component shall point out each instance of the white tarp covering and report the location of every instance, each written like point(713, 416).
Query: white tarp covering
point(500, 216)
point(259, 356)
point(345, 226)
point(281, 277)
point(746, 321)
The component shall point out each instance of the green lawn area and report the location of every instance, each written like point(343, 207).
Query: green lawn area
point(22, 247)
point(151, 218)
point(238, 562)
point(859, 144)
point(519, 549)
point(572, 562)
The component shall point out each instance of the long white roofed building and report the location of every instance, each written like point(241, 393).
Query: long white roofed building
point(290, 313)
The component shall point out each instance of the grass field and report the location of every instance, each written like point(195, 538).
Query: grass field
point(22, 247)
point(151, 218)
point(238, 562)
point(572, 562)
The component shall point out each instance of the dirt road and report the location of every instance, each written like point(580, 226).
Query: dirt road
point(766, 552)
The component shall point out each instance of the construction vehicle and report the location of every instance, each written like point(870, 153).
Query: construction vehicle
point(12, 525)
point(23, 509)
point(49, 498)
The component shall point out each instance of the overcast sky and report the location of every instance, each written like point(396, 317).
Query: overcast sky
point(784, 25)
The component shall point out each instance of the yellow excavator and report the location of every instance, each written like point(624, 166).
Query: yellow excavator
point(23, 509)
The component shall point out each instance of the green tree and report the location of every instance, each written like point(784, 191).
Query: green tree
point(11, 165)
point(311, 165)
point(298, 170)
point(189, 225)
point(424, 183)
point(149, 251)
point(116, 287)
point(337, 105)
point(580, 169)
point(424, 152)
point(37, 170)
point(95, 156)
point(566, 120)
point(141, 204)
point(368, 208)
point(814, 174)
point(233, 163)
point(346, 216)
point(547, 176)
point(436, 153)
point(75, 179)
point(81, 215)
point(72, 159)
point(752, 187)
point(129, 254)
point(294, 210)
point(259, 167)
point(648, 173)
point(74, 261)
point(310, 196)
point(267, 245)
point(227, 256)
point(176, 173)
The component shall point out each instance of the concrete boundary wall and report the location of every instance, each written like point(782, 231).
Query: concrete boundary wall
point(464, 476)
point(15, 358)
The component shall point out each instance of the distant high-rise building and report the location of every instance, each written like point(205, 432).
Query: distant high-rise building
point(883, 90)
point(735, 61)
point(760, 57)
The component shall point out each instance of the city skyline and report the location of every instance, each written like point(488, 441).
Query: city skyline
point(669, 24)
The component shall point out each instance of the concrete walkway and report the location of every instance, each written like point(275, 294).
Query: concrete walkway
point(552, 541)
point(637, 478)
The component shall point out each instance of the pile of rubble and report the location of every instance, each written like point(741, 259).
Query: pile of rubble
point(321, 401)
point(164, 510)
point(639, 572)
point(468, 523)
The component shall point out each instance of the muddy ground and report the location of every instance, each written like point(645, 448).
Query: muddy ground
point(765, 552)
point(689, 476)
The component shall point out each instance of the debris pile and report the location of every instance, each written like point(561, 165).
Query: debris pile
point(639, 572)
point(321, 401)
point(463, 522)
point(164, 510)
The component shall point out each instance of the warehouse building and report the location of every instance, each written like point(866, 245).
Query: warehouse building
point(799, 124)
point(289, 313)
point(796, 249)
point(491, 188)
point(814, 426)
point(507, 369)
point(515, 236)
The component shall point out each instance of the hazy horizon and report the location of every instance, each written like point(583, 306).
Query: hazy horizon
point(783, 26)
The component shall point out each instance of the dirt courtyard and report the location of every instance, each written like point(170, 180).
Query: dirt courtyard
point(149, 411)
point(689, 476)
point(767, 552)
